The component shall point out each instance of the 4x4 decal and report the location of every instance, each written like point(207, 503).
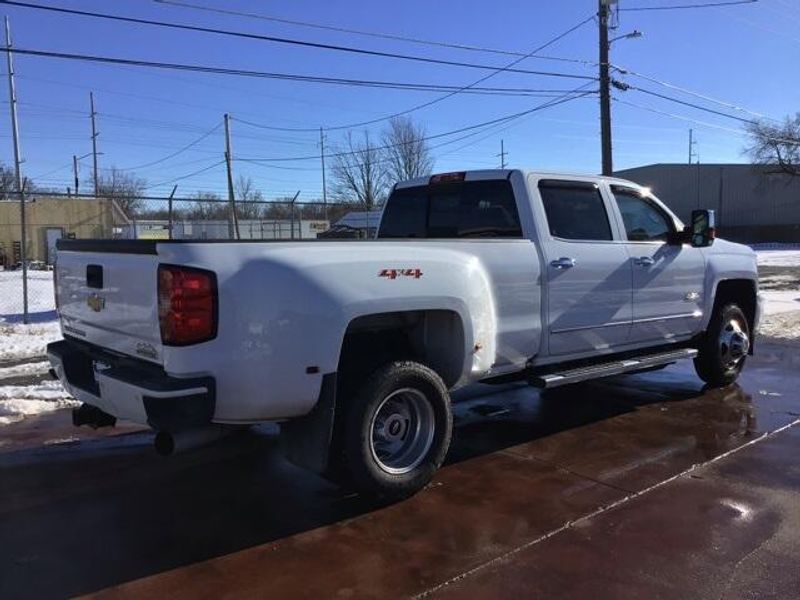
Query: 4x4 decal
point(395, 273)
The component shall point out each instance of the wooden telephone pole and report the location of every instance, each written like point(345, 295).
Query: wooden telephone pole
point(604, 14)
point(233, 224)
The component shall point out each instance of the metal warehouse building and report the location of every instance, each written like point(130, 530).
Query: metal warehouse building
point(752, 204)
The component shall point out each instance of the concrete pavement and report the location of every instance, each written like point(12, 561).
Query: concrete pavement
point(638, 486)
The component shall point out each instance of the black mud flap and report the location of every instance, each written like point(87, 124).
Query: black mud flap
point(306, 441)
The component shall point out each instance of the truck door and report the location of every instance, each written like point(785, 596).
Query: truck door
point(588, 272)
point(667, 277)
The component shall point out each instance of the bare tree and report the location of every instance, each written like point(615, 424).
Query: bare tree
point(358, 173)
point(126, 189)
point(248, 199)
point(777, 146)
point(280, 208)
point(208, 207)
point(405, 150)
point(8, 183)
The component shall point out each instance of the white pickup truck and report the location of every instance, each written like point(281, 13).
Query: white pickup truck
point(353, 346)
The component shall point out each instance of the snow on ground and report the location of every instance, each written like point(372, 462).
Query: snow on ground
point(781, 301)
point(41, 302)
point(784, 325)
point(28, 368)
point(18, 341)
point(778, 258)
point(20, 401)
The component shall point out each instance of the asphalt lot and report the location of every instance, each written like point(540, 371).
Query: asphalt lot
point(643, 486)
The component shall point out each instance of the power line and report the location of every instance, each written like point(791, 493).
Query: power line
point(738, 132)
point(687, 6)
point(379, 35)
point(691, 104)
point(507, 68)
point(503, 120)
point(280, 40)
point(176, 153)
point(699, 95)
point(235, 72)
point(186, 176)
point(571, 96)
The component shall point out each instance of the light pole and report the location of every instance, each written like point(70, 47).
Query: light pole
point(75, 160)
point(627, 36)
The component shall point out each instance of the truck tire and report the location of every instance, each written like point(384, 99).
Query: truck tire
point(397, 430)
point(723, 350)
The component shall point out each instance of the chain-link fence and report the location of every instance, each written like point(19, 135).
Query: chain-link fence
point(27, 253)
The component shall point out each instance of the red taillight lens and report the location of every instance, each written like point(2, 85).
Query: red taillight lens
point(187, 305)
point(447, 178)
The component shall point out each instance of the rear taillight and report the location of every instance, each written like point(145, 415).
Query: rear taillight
point(187, 305)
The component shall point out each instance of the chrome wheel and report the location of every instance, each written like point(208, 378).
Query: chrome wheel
point(733, 344)
point(402, 431)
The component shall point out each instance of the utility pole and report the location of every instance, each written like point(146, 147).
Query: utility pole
point(502, 155)
point(692, 144)
point(605, 91)
point(233, 224)
point(324, 186)
point(94, 144)
point(169, 209)
point(291, 216)
point(12, 100)
point(75, 171)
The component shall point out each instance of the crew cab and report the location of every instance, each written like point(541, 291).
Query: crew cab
point(354, 346)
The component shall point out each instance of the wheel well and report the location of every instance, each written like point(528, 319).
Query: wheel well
point(432, 337)
point(741, 291)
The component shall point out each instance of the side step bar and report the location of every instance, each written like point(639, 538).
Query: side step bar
point(616, 367)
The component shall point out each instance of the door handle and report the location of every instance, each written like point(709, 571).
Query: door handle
point(644, 261)
point(563, 263)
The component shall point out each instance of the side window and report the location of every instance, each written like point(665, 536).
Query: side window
point(575, 211)
point(644, 221)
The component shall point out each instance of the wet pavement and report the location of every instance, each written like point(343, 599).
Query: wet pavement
point(639, 486)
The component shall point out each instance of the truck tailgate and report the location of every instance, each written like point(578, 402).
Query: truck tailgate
point(110, 299)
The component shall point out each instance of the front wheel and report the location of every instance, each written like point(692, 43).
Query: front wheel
point(397, 430)
point(724, 348)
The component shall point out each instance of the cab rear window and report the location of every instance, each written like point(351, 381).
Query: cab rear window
point(471, 209)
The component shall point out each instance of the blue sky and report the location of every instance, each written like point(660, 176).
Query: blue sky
point(744, 55)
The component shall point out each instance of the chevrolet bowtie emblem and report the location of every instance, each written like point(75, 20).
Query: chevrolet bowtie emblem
point(96, 302)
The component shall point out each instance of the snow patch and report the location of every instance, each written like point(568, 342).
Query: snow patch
point(781, 301)
point(20, 401)
point(784, 325)
point(778, 258)
point(31, 368)
point(41, 300)
point(19, 341)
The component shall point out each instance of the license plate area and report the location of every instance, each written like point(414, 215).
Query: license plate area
point(98, 367)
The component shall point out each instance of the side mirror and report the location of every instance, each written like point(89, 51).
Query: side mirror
point(703, 228)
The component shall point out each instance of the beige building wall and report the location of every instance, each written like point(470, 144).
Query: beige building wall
point(78, 217)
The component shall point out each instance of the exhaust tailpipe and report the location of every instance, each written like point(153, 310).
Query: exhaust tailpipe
point(167, 444)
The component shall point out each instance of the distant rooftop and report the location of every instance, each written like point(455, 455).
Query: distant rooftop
point(361, 219)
